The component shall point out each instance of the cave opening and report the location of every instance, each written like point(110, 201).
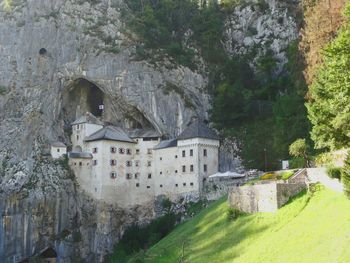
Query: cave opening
point(83, 96)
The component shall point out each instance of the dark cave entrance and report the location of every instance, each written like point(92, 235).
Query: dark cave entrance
point(81, 97)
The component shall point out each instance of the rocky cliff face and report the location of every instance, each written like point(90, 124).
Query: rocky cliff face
point(49, 52)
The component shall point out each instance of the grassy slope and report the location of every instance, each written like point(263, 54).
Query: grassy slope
point(302, 231)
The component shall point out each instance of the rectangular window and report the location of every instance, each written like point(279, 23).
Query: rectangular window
point(128, 151)
point(113, 162)
point(161, 186)
point(148, 187)
point(205, 168)
point(149, 151)
point(176, 185)
point(175, 156)
point(205, 152)
point(137, 185)
point(176, 171)
point(113, 150)
point(149, 176)
point(183, 153)
point(191, 184)
point(161, 172)
point(128, 176)
point(160, 158)
point(183, 168)
point(78, 127)
point(191, 152)
point(149, 163)
point(77, 137)
point(80, 164)
point(94, 162)
point(94, 150)
point(191, 168)
point(184, 184)
point(137, 175)
point(113, 175)
point(137, 151)
point(137, 163)
point(128, 163)
point(121, 150)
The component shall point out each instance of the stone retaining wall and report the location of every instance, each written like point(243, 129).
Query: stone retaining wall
point(267, 197)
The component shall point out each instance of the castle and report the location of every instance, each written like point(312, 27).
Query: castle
point(133, 167)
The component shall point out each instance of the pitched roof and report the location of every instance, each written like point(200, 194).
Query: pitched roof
point(166, 144)
point(110, 133)
point(198, 129)
point(58, 144)
point(87, 118)
point(144, 133)
point(79, 155)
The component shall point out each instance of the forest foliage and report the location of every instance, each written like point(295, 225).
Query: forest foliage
point(265, 112)
point(329, 104)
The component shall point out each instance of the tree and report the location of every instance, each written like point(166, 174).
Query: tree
point(346, 176)
point(299, 148)
point(329, 106)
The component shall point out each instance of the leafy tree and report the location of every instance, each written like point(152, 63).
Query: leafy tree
point(299, 148)
point(329, 106)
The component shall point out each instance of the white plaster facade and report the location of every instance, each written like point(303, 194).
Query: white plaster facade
point(58, 150)
point(134, 171)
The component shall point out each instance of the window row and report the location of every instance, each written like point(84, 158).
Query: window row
point(130, 176)
point(127, 151)
point(205, 153)
point(113, 162)
point(161, 186)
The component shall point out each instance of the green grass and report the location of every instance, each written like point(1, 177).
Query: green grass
point(315, 229)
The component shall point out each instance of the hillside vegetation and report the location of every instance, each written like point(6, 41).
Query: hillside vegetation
point(311, 228)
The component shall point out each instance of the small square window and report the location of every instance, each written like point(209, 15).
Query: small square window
point(113, 162)
point(137, 163)
point(149, 163)
point(175, 156)
point(148, 187)
point(58, 150)
point(161, 186)
point(137, 185)
point(176, 185)
point(80, 164)
point(137, 151)
point(191, 184)
point(183, 153)
point(149, 176)
point(191, 152)
point(176, 171)
point(128, 151)
point(113, 150)
point(94, 150)
point(128, 163)
point(121, 150)
point(75, 163)
point(184, 184)
point(113, 175)
point(137, 175)
point(128, 176)
point(149, 151)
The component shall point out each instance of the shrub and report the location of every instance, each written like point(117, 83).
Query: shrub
point(233, 213)
point(296, 163)
point(346, 176)
point(268, 176)
point(334, 172)
point(286, 175)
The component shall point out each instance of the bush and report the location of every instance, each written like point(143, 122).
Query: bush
point(233, 213)
point(268, 176)
point(296, 163)
point(346, 176)
point(334, 172)
point(286, 175)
